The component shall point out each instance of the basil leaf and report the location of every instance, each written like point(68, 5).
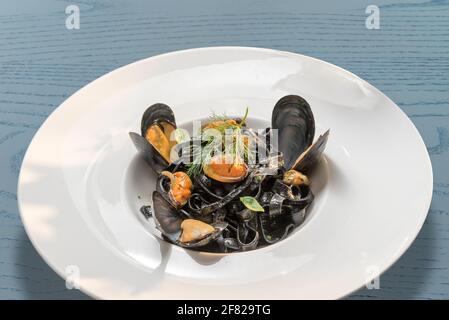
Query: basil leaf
point(181, 135)
point(252, 204)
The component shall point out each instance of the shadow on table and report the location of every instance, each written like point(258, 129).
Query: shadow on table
point(39, 281)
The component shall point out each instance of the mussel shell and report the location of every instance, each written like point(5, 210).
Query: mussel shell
point(149, 153)
point(168, 219)
point(293, 118)
point(163, 187)
point(163, 183)
point(157, 113)
point(219, 227)
point(310, 158)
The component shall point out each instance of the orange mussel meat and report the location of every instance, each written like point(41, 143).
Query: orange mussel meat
point(180, 187)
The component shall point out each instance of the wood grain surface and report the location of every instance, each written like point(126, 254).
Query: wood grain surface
point(42, 63)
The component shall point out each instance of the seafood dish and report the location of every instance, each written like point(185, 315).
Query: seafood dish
point(226, 187)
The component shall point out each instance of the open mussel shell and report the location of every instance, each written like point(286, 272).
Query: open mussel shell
point(307, 161)
point(219, 227)
point(163, 187)
point(161, 115)
point(148, 152)
point(242, 169)
point(157, 113)
point(293, 118)
point(178, 194)
point(168, 221)
point(167, 218)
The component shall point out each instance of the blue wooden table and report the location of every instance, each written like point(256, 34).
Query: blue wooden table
point(42, 63)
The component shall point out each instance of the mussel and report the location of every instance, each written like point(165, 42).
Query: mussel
point(194, 230)
point(226, 168)
point(295, 178)
point(180, 188)
point(182, 230)
point(307, 160)
point(219, 123)
point(294, 120)
point(155, 141)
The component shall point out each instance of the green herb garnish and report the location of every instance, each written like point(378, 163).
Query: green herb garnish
point(200, 155)
point(252, 204)
point(237, 148)
point(243, 122)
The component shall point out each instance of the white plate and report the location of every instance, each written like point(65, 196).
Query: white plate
point(81, 177)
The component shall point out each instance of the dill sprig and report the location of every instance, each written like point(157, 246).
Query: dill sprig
point(238, 148)
point(243, 122)
point(200, 155)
